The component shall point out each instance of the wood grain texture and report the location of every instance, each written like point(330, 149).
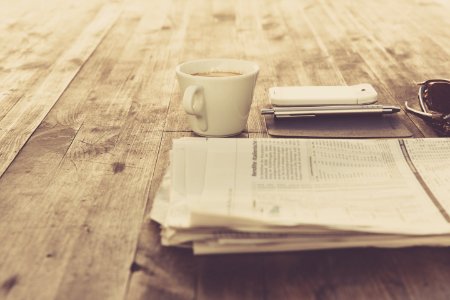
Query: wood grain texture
point(31, 108)
point(89, 106)
point(83, 207)
point(159, 272)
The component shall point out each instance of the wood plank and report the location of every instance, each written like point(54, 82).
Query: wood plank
point(231, 277)
point(97, 183)
point(342, 48)
point(251, 39)
point(27, 52)
point(329, 274)
point(32, 108)
point(207, 33)
point(33, 168)
point(32, 39)
point(159, 272)
point(411, 273)
point(374, 42)
point(276, 62)
point(283, 31)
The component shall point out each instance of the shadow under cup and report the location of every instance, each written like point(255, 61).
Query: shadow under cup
point(217, 94)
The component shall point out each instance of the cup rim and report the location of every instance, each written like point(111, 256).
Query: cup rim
point(253, 65)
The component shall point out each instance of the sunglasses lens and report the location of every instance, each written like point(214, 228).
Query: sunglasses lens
point(437, 97)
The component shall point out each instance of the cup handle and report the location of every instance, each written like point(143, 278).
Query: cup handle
point(194, 104)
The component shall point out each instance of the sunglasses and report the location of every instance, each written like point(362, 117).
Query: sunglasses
point(434, 100)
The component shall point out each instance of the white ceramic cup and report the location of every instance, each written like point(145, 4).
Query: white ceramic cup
point(217, 106)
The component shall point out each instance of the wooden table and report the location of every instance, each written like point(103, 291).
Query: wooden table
point(89, 105)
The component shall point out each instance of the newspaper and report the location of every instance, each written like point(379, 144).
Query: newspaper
point(245, 195)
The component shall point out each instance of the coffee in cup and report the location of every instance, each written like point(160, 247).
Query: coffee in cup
point(217, 74)
point(217, 94)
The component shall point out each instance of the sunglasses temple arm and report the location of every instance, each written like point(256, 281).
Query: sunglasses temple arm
point(419, 113)
point(422, 105)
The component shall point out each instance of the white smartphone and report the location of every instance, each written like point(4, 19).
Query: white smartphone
point(322, 95)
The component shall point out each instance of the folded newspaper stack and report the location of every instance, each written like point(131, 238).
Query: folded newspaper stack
point(261, 195)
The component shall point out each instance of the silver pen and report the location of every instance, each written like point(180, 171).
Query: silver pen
point(313, 111)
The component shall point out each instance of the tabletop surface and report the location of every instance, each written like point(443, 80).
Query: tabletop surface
point(89, 106)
